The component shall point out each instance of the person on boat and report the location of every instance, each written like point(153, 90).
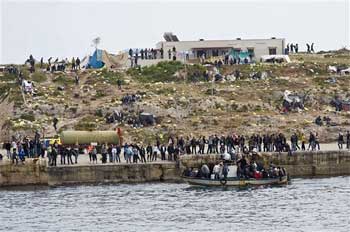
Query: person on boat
point(225, 170)
point(216, 171)
point(205, 171)
point(241, 167)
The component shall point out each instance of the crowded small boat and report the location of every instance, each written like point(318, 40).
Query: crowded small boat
point(236, 173)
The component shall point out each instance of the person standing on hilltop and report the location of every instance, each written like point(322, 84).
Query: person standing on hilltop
point(312, 48)
point(296, 47)
point(146, 53)
point(169, 54)
point(41, 62)
point(142, 54)
point(308, 48)
point(77, 63)
point(291, 47)
point(73, 63)
point(161, 53)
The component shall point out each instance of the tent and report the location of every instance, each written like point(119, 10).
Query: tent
point(101, 58)
point(235, 54)
point(95, 61)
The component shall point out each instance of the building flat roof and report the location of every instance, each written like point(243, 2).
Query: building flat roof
point(219, 40)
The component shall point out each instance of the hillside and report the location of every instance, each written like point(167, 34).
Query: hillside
point(183, 103)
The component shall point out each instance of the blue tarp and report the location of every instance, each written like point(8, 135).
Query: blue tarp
point(95, 61)
point(239, 54)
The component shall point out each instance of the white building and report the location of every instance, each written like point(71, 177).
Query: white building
point(210, 48)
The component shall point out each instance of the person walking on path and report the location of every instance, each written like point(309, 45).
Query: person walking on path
point(55, 121)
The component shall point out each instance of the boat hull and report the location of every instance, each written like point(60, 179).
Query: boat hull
point(235, 181)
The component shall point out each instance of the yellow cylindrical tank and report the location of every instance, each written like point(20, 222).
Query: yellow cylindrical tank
point(88, 137)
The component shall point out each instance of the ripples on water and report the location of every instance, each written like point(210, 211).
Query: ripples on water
point(305, 205)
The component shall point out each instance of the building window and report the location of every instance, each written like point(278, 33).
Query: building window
point(251, 52)
point(272, 51)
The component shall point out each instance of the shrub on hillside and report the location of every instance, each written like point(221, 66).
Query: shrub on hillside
point(28, 117)
point(38, 77)
point(64, 80)
point(162, 72)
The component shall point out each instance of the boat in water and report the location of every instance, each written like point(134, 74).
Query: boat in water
point(235, 181)
point(279, 178)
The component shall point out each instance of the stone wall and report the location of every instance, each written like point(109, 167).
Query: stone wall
point(32, 173)
point(120, 173)
point(321, 163)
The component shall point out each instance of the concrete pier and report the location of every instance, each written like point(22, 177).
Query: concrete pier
point(36, 171)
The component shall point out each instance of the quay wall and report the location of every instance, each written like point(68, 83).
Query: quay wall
point(300, 164)
point(109, 173)
point(36, 172)
point(32, 173)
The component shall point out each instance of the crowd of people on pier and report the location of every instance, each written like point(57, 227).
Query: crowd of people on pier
point(20, 148)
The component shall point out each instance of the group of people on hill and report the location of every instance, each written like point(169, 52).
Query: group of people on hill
point(294, 48)
point(56, 65)
point(147, 53)
point(310, 48)
point(150, 54)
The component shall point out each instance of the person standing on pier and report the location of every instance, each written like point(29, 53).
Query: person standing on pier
point(63, 156)
point(75, 153)
point(94, 155)
point(143, 154)
point(149, 152)
point(54, 155)
point(162, 151)
point(340, 140)
point(104, 154)
point(69, 155)
point(155, 153)
point(14, 156)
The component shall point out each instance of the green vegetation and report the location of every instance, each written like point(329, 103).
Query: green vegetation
point(15, 96)
point(87, 123)
point(100, 93)
point(63, 80)
point(112, 77)
point(161, 72)
point(8, 77)
point(195, 72)
point(28, 117)
point(164, 72)
point(39, 77)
